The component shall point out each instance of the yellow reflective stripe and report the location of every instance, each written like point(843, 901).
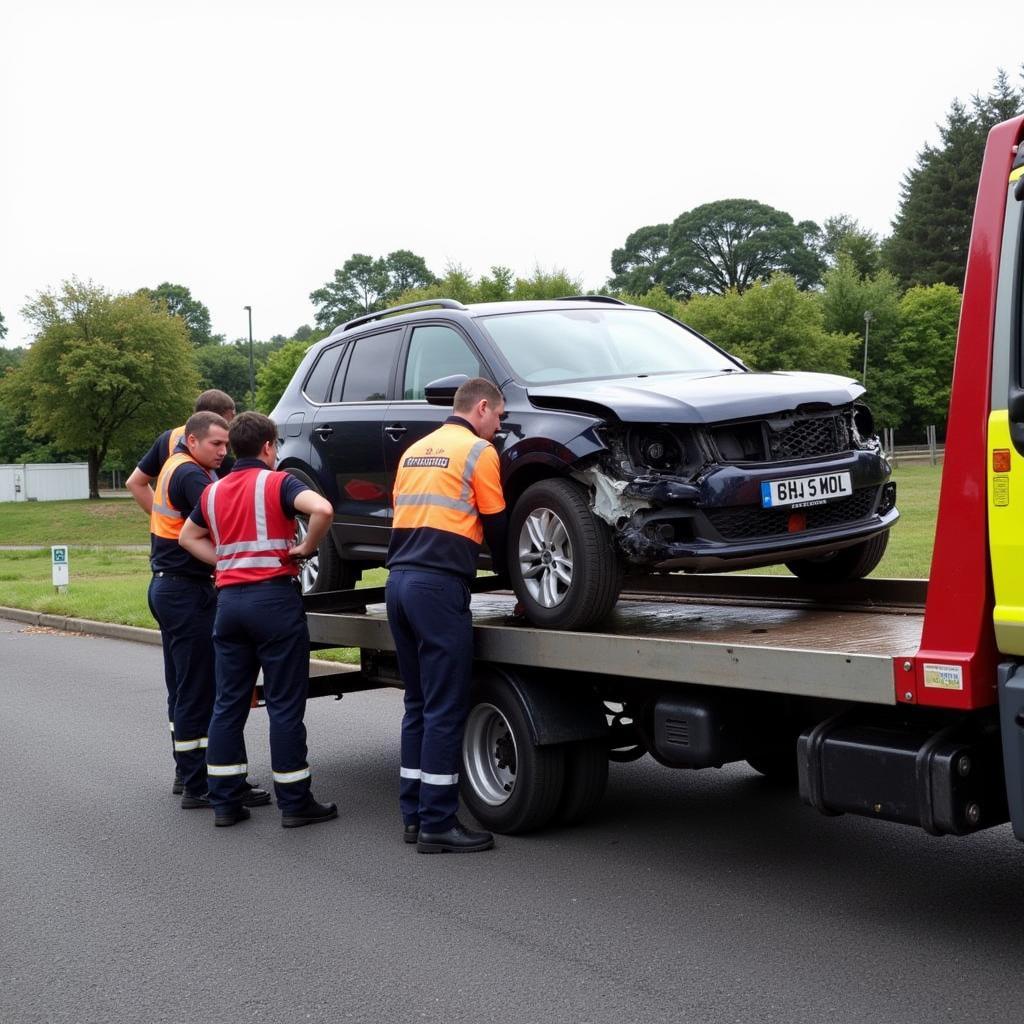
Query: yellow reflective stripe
point(1016, 173)
point(227, 769)
point(302, 773)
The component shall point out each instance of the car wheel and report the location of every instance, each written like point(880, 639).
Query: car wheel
point(508, 784)
point(562, 560)
point(326, 570)
point(852, 563)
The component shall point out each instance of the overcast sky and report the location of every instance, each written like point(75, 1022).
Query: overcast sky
point(246, 149)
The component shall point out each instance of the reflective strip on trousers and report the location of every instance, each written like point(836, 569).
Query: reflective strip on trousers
point(409, 773)
point(183, 745)
point(227, 769)
point(171, 724)
point(286, 777)
point(428, 777)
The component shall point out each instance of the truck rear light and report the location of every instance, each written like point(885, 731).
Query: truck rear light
point(1001, 460)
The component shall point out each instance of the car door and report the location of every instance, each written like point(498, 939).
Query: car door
point(433, 351)
point(347, 442)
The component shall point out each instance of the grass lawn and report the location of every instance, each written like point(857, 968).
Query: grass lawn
point(110, 585)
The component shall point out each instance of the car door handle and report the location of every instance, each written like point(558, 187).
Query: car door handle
point(395, 431)
point(323, 432)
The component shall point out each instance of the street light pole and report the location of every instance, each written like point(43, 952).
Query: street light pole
point(252, 379)
point(867, 326)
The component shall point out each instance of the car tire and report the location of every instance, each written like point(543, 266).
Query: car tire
point(561, 557)
point(586, 778)
point(326, 570)
point(508, 784)
point(852, 563)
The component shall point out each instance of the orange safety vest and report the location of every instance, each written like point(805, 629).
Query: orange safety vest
point(165, 520)
point(445, 481)
point(172, 442)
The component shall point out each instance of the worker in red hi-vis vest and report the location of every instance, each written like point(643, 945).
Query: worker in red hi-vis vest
point(244, 526)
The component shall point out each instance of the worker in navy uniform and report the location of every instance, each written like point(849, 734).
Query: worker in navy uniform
point(183, 601)
point(244, 525)
point(447, 500)
point(138, 483)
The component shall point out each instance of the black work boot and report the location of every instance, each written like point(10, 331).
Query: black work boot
point(178, 786)
point(195, 803)
point(457, 839)
point(254, 797)
point(410, 833)
point(223, 819)
point(310, 813)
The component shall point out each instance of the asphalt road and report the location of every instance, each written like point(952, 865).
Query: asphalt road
point(703, 897)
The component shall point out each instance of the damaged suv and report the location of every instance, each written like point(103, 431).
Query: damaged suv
point(630, 444)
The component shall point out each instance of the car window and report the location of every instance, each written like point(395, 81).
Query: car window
point(319, 380)
point(434, 352)
point(369, 367)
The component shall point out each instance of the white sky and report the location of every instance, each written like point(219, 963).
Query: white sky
point(246, 149)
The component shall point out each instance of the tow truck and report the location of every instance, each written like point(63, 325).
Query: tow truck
point(897, 699)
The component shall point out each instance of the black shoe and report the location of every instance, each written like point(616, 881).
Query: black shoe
point(254, 797)
point(178, 786)
point(194, 803)
point(458, 839)
point(411, 833)
point(310, 813)
point(232, 817)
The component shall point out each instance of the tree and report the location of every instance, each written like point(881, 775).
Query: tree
point(106, 373)
point(500, 286)
point(932, 228)
point(178, 301)
point(3, 327)
point(843, 235)
point(225, 367)
point(773, 325)
point(364, 285)
point(733, 243)
point(276, 373)
point(643, 262)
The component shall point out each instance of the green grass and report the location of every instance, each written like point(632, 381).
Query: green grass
point(110, 585)
point(104, 522)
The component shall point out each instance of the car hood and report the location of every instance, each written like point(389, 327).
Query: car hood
point(699, 397)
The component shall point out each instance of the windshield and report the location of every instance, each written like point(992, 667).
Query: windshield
point(556, 345)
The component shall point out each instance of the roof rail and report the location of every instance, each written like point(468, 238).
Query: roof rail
point(592, 298)
point(382, 313)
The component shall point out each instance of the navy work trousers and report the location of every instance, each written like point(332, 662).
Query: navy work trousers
point(184, 608)
point(433, 631)
point(260, 625)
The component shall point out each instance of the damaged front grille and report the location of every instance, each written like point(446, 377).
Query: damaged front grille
point(783, 440)
point(748, 522)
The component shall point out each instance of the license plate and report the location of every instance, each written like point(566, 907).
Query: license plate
point(805, 490)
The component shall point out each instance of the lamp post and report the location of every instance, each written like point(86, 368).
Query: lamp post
point(252, 380)
point(867, 327)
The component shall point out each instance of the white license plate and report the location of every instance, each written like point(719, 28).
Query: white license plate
point(805, 490)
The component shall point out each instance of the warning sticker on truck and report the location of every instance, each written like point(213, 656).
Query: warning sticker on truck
point(944, 677)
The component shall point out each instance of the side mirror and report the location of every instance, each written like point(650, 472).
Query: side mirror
point(442, 391)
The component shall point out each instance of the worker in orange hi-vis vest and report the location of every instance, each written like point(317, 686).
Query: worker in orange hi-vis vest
point(448, 500)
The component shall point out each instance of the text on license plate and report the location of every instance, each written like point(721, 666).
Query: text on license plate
point(805, 490)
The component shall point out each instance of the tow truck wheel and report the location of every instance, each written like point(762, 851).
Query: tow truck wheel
point(853, 563)
point(586, 777)
point(326, 570)
point(561, 557)
point(508, 784)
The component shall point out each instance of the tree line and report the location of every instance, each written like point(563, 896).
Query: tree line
point(107, 372)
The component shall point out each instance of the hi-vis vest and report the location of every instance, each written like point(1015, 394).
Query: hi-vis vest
point(165, 520)
point(438, 485)
point(172, 442)
point(248, 527)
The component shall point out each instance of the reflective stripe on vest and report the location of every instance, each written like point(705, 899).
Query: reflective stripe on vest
point(165, 520)
point(172, 442)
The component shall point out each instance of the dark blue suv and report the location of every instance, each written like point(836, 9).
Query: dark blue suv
point(630, 444)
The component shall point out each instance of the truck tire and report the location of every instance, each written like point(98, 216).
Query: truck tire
point(508, 784)
point(586, 777)
point(562, 561)
point(852, 563)
point(326, 570)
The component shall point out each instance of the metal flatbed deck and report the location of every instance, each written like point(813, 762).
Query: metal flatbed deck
point(774, 638)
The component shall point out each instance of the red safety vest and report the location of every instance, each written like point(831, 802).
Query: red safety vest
point(248, 527)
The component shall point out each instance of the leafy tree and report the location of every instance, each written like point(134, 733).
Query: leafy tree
point(276, 373)
point(3, 327)
point(773, 325)
point(843, 235)
point(733, 243)
point(225, 367)
point(659, 299)
point(303, 333)
point(178, 301)
point(932, 228)
point(644, 260)
point(364, 284)
point(105, 374)
point(499, 286)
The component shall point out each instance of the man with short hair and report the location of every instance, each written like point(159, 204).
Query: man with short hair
point(447, 499)
point(183, 601)
point(244, 525)
point(165, 445)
